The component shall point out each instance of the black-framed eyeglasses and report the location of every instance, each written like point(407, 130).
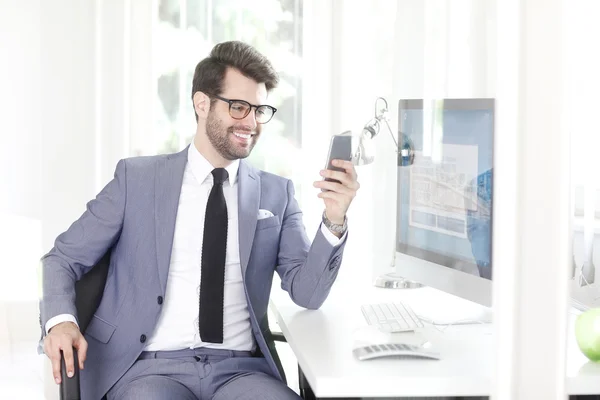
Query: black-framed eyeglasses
point(239, 109)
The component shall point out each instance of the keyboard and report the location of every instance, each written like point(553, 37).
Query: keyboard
point(395, 350)
point(391, 317)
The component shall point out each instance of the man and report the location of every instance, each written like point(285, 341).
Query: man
point(196, 237)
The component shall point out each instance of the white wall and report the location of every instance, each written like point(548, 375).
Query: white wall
point(20, 109)
point(317, 88)
point(85, 78)
point(65, 98)
point(68, 137)
point(20, 190)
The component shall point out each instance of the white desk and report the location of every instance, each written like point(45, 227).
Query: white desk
point(323, 340)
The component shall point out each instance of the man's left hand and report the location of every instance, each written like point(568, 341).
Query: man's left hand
point(338, 196)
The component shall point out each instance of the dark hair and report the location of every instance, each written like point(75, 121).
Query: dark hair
point(210, 72)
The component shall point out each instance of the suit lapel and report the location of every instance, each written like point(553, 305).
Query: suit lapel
point(248, 201)
point(167, 188)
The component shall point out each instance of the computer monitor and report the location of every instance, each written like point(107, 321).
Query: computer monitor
point(444, 203)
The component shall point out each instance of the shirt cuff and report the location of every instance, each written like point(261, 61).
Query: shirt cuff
point(331, 238)
point(52, 322)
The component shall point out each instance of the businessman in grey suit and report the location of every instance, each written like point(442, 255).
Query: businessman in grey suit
point(195, 238)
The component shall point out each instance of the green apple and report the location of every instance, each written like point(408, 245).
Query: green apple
point(587, 333)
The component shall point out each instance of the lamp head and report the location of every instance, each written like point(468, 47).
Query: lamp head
point(365, 150)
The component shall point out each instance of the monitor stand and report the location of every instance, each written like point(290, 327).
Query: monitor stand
point(393, 280)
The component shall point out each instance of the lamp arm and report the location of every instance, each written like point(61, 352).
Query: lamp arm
point(392, 134)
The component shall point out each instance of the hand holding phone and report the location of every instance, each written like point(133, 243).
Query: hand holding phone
point(337, 195)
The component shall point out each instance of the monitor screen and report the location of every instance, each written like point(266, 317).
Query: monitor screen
point(445, 183)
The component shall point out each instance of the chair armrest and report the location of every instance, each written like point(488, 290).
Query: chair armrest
point(69, 387)
point(278, 337)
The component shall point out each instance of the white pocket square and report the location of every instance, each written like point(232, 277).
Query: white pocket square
point(262, 214)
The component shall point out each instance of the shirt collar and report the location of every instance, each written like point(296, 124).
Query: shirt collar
point(201, 168)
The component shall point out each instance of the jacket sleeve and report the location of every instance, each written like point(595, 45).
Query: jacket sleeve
point(307, 270)
point(80, 247)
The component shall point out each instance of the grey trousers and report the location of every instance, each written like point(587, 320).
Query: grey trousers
point(199, 374)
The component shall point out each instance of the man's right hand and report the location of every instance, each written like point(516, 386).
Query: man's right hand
point(65, 336)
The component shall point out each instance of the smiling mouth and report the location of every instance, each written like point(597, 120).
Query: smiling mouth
point(243, 135)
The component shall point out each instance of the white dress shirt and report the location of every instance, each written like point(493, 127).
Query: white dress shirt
point(177, 326)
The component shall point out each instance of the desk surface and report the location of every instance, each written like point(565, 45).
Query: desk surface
point(323, 340)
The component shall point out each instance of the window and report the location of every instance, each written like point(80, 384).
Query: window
point(184, 33)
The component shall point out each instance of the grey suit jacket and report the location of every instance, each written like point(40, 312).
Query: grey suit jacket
point(135, 215)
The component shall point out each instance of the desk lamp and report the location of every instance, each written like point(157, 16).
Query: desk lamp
point(365, 154)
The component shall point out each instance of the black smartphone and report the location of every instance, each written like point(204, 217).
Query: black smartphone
point(340, 148)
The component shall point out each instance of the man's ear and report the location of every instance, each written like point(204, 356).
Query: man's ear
point(201, 104)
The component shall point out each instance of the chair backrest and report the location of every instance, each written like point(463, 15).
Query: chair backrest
point(89, 290)
point(88, 293)
point(270, 340)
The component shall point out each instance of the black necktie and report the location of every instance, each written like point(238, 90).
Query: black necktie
point(214, 249)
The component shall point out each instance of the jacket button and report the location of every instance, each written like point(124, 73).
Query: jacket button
point(142, 338)
point(159, 300)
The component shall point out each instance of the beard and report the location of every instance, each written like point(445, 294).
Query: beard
point(225, 142)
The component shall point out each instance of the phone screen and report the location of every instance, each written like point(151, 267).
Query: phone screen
point(340, 148)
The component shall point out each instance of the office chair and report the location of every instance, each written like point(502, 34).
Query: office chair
point(88, 294)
